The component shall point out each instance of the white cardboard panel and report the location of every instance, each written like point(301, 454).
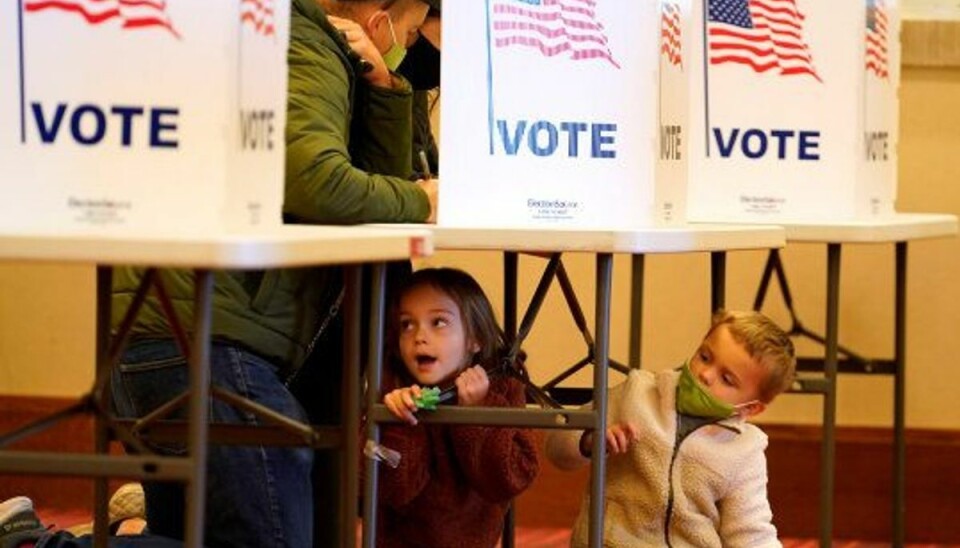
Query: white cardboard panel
point(547, 123)
point(162, 117)
point(774, 146)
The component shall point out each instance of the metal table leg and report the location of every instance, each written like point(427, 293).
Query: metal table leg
point(199, 403)
point(350, 413)
point(899, 395)
point(510, 277)
point(100, 425)
point(635, 357)
point(374, 368)
point(828, 446)
point(718, 280)
point(598, 464)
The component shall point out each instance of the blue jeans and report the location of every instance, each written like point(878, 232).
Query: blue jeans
point(256, 496)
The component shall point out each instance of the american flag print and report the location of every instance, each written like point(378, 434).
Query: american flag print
point(132, 14)
point(553, 27)
point(876, 47)
point(671, 46)
point(258, 14)
point(765, 35)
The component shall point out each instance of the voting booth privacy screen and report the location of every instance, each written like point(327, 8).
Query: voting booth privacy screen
point(795, 110)
point(564, 113)
point(118, 115)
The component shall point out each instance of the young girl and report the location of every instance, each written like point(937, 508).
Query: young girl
point(454, 482)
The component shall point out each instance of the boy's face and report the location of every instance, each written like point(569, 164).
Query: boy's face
point(728, 371)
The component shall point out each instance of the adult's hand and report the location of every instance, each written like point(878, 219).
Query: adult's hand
point(431, 187)
point(355, 37)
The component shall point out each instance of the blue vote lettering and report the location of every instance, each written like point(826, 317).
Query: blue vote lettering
point(758, 143)
point(88, 123)
point(537, 130)
point(543, 138)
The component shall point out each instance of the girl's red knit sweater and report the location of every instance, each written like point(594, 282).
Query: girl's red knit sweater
point(454, 482)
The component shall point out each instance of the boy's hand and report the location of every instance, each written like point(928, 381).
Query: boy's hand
point(401, 403)
point(619, 437)
point(472, 386)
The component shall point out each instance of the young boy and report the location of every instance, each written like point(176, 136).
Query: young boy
point(684, 468)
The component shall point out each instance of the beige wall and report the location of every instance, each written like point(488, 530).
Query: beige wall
point(46, 329)
point(46, 312)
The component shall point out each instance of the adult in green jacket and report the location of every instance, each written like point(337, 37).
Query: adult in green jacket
point(348, 140)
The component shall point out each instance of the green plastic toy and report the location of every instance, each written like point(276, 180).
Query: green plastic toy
point(429, 398)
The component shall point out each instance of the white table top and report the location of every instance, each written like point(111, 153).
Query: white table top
point(283, 246)
point(667, 239)
point(899, 227)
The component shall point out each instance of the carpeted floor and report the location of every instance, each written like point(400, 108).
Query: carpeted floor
point(527, 537)
point(560, 538)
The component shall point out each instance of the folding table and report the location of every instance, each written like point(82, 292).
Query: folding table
point(638, 242)
point(899, 230)
point(280, 247)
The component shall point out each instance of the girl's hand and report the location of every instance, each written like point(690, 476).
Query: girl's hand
point(400, 403)
point(619, 437)
point(472, 385)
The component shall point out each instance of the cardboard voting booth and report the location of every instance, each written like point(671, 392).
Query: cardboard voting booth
point(563, 113)
point(146, 116)
point(795, 110)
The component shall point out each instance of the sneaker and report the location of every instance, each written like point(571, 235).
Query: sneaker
point(126, 503)
point(19, 523)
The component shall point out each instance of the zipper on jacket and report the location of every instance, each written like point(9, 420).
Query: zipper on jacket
point(684, 429)
point(331, 314)
point(673, 459)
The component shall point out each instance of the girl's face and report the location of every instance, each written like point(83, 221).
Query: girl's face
point(433, 344)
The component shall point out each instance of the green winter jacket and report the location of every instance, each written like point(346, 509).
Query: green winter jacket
point(347, 158)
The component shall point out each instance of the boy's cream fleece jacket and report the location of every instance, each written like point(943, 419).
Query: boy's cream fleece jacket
point(719, 486)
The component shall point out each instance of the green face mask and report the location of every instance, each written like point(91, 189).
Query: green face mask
point(694, 399)
point(394, 56)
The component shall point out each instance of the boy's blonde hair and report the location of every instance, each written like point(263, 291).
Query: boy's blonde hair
point(767, 343)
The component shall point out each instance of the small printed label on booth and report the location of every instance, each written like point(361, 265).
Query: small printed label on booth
point(255, 213)
point(99, 211)
point(553, 209)
point(667, 212)
point(762, 205)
